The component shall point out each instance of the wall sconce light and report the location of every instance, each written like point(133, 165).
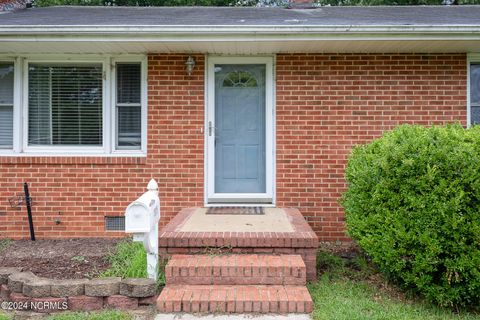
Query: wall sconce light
point(190, 64)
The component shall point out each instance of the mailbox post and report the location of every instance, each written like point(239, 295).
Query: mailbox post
point(141, 219)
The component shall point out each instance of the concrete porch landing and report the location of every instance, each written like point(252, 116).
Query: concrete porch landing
point(279, 231)
point(273, 219)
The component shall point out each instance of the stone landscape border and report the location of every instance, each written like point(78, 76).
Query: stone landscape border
point(26, 291)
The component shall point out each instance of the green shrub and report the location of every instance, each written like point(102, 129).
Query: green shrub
point(413, 205)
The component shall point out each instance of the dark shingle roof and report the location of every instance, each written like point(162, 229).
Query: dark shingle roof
point(250, 16)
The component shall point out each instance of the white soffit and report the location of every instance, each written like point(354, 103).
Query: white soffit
point(239, 40)
point(240, 47)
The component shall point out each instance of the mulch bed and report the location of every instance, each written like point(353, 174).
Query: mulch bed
point(59, 259)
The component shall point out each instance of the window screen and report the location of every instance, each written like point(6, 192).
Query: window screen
point(128, 106)
point(6, 105)
point(65, 104)
point(475, 93)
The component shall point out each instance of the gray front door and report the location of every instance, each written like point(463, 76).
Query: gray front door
point(240, 128)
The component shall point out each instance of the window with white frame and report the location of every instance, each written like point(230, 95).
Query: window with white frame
point(475, 93)
point(6, 104)
point(128, 106)
point(64, 106)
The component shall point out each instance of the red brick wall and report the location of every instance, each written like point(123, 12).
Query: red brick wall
point(81, 191)
point(328, 103)
point(325, 104)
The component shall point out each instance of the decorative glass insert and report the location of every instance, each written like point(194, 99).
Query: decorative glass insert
point(65, 104)
point(128, 106)
point(475, 94)
point(6, 105)
point(240, 79)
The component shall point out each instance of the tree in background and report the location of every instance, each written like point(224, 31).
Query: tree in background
point(258, 3)
point(141, 3)
point(161, 3)
point(393, 2)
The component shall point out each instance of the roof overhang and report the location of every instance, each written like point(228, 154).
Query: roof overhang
point(239, 39)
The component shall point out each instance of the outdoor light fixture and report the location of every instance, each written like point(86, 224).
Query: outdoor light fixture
point(190, 64)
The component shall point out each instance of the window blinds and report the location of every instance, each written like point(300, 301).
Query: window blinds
point(6, 105)
point(128, 106)
point(65, 104)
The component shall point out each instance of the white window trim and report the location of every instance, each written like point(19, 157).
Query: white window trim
point(143, 101)
point(20, 107)
point(16, 104)
point(471, 58)
point(48, 149)
point(262, 199)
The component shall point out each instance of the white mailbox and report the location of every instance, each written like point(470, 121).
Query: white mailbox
point(141, 219)
point(137, 218)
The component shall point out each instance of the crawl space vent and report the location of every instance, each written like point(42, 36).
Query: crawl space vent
point(115, 223)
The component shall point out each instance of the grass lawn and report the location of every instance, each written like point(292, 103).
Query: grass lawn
point(99, 315)
point(129, 260)
point(106, 314)
point(102, 315)
point(355, 291)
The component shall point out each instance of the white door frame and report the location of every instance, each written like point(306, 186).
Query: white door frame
point(212, 198)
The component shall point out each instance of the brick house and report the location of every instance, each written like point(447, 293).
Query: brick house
point(223, 106)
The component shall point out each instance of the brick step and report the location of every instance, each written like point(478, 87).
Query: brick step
point(236, 269)
point(235, 299)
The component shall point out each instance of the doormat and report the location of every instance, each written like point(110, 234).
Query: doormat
point(236, 210)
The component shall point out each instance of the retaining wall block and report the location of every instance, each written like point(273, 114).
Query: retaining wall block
point(19, 297)
point(37, 288)
point(4, 293)
point(138, 287)
point(84, 303)
point(49, 304)
point(120, 302)
point(5, 272)
point(66, 288)
point(16, 280)
point(103, 287)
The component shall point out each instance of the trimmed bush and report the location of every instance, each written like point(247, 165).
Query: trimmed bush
point(413, 205)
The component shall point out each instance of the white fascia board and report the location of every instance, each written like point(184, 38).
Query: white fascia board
point(247, 34)
point(239, 37)
point(145, 30)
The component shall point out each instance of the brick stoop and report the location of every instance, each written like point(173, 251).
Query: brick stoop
point(235, 283)
point(235, 299)
point(236, 269)
point(302, 241)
